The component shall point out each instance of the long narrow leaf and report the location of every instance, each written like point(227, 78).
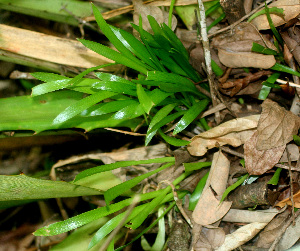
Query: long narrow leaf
point(173, 141)
point(144, 99)
point(116, 191)
point(81, 105)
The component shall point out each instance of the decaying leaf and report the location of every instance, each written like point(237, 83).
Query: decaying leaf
point(209, 209)
point(293, 151)
point(257, 161)
point(291, 9)
point(288, 201)
point(268, 235)
point(246, 59)
point(234, 132)
point(276, 126)
point(235, 48)
point(210, 238)
point(160, 15)
point(241, 236)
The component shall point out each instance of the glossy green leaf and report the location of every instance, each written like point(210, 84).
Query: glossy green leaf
point(144, 99)
point(173, 141)
point(157, 96)
point(81, 105)
point(129, 112)
point(190, 115)
point(113, 55)
point(116, 87)
point(234, 186)
point(47, 76)
point(87, 217)
point(197, 192)
point(108, 167)
point(118, 190)
point(189, 167)
point(22, 187)
point(50, 87)
point(114, 78)
point(113, 223)
point(275, 178)
point(286, 69)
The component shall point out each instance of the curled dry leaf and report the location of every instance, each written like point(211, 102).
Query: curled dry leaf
point(288, 201)
point(209, 209)
point(233, 132)
point(246, 59)
point(241, 236)
point(276, 126)
point(160, 15)
point(257, 161)
point(291, 9)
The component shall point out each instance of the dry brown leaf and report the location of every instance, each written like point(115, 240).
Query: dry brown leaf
point(293, 151)
point(246, 59)
point(288, 201)
point(276, 126)
point(269, 234)
point(241, 236)
point(210, 238)
point(143, 10)
point(209, 209)
point(49, 48)
point(291, 9)
point(234, 132)
point(258, 162)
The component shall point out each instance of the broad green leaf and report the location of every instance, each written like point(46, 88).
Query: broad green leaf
point(113, 223)
point(48, 77)
point(129, 112)
point(110, 77)
point(216, 68)
point(116, 87)
point(87, 217)
point(107, 107)
point(234, 186)
point(22, 187)
point(190, 115)
point(197, 192)
point(108, 167)
point(189, 167)
point(50, 87)
point(275, 178)
point(81, 105)
point(158, 96)
point(118, 190)
point(144, 99)
point(113, 55)
point(173, 141)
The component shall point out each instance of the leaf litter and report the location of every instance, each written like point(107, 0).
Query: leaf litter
point(263, 138)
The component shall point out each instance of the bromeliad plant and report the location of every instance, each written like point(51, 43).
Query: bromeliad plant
point(163, 92)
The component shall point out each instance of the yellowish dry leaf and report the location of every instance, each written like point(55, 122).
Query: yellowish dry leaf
point(288, 201)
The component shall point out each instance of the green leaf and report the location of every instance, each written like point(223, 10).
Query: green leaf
point(275, 178)
point(144, 99)
point(113, 55)
point(190, 115)
point(275, 32)
point(48, 77)
point(234, 186)
point(108, 167)
point(50, 87)
point(173, 141)
point(265, 90)
point(189, 167)
point(116, 87)
point(118, 190)
point(197, 192)
point(81, 105)
point(161, 114)
point(129, 112)
point(286, 69)
point(87, 217)
point(272, 10)
point(114, 78)
point(22, 187)
point(261, 49)
point(296, 138)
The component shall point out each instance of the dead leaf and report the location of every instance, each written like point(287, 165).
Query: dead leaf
point(53, 49)
point(210, 238)
point(143, 10)
point(288, 201)
point(246, 59)
point(258, 162)
point(234, 132)
point(241, 236)
point(269, 234)
point(291, 9)
point(276, 126)
point(293, 151)
point(209, 209)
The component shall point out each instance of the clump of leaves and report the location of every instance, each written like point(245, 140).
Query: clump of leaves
point(164, 91)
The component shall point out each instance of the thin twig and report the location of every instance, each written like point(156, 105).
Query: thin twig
point(241, 20)
point(291, 184)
